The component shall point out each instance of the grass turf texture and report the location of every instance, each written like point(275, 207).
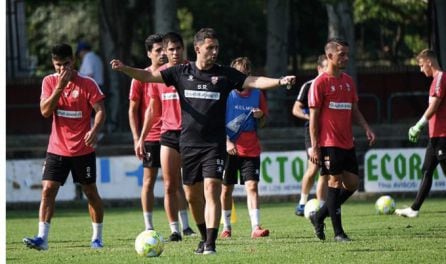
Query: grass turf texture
point(376, 238)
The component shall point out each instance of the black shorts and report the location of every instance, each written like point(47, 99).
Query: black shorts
point(247, 167)
point(202, 162)
point(82, 168)
point(171, 139)
point(336, 160)
point(435, 153)
point(152, 154)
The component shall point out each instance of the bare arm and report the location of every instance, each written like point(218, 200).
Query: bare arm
point(135, 73)
point(134, 120)
point(298, 111)
point(99, 119)
point(314, 135)
point(154, 109)
point(434, 103)
point(267, 83)
point(359, 119)
point(48, 105)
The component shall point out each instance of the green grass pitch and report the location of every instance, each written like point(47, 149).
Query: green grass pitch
point(376, 238)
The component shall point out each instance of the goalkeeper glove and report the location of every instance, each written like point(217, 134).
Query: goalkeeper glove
point(414, 132)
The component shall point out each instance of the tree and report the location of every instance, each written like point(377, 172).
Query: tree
point(401, 32)
point(437, 14)
point(277, 54)
point(165, 16)
point(117, 17)
point(340, 25)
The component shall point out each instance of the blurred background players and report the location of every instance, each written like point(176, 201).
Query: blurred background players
point(165, 102)
point(92, 66)
point(300, 110)
point(435, 116)
point(69, 98)
point(139, 101)
point(245, 111)
point(333, 103)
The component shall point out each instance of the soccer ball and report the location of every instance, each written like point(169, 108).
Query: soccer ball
point(149, 243)
point(312, 205)
point(385, 205)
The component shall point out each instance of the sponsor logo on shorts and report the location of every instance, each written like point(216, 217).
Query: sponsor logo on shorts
point(340, 106)
point(69, 114)
point(202, 95)
point(88, 172)
point(220, 165)
point(327, 162)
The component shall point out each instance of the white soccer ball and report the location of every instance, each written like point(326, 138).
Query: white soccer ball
point(385, 205)
point(312, 205)
point(149, 243)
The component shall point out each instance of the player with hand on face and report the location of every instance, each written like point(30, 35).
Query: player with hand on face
point(69, 98)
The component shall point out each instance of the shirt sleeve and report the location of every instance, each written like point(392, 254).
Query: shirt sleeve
point(438, 86)
point(303, 92)
point(315, 94)
point(170, 75)
point(96, 94)
point(135, 90)
point(235, 78)
point(47, 88)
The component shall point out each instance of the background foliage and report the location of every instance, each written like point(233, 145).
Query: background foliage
point(387, 32)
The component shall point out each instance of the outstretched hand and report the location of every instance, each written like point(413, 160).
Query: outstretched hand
point(288, 81)
point(117, 65)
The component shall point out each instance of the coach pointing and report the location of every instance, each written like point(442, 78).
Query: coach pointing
point(203, 87)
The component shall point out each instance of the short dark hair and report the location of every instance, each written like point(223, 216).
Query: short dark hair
point(61, 51)
point(321, 59)
point(333, 42)
point(203, 34)
point(172, 37)
point(152, 39)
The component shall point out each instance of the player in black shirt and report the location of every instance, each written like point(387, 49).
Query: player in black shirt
point(203, 87)
point(301, 110)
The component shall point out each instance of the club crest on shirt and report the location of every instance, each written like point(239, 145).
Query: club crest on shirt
point(214, 80)
point(327, 162)
point(190, 78)
point(75, 94)
point(333, 88)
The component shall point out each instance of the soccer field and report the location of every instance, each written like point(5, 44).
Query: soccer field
point(376, 238)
